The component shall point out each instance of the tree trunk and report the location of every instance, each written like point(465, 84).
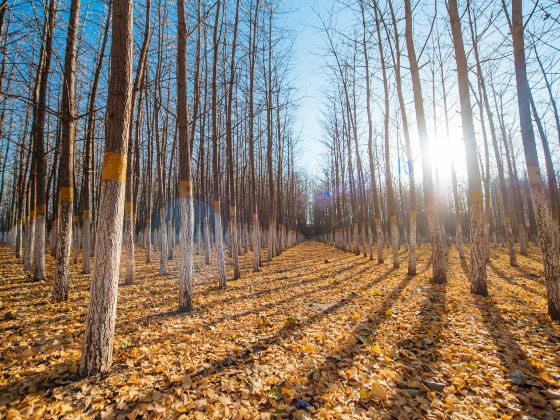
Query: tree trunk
point(229, 153)
point(439, 249)
point(476, 210)
point(40, 155)
point(129, 187)
point(222, 279)
point(391, 204)
point(97, 348)
point(185, 162)
point(546, 227)
point(66, 168)
point(410, 162)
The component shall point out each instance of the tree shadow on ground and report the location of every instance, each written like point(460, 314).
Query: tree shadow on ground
point(511, 280)
point(519, 371)
point(322, 376)
point(529, 274)
point(246, 356)
point(420, 354)
point(295, 290)
point(295, 295)
point(41, 384)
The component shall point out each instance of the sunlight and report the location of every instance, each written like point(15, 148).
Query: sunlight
point(445, 151)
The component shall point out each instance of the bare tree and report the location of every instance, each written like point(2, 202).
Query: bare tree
point(97, 348)
point(66, 168)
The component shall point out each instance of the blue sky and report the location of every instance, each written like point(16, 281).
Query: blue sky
point(309, 43)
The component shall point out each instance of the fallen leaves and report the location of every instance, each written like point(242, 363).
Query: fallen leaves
point(377, 391)
point(302, 338)
point(376, 349)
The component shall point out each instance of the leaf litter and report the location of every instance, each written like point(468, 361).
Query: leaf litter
point(317, 333)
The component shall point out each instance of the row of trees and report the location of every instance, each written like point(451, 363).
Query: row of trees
point(191, 109)
point(399, 55)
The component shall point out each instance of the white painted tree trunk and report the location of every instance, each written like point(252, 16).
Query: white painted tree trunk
point(64, 243)
point(395, 241)
point(256, 243)
point(412, 244)
point(222, 279)
point(186, 244)
point(270, 246)
point(379, 234)
point(234, 243)
point(128, 242)
point(459, 238)
point(162, 243)
point(86, 243)
point(19, 238)
point(39, 248)
point(206, 241)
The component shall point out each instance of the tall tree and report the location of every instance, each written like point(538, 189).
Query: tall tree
point(229, 153)
point(66, 162)
point(476, 210)
point(40, 156)
point(439, 248)
point(216, 204)
point(128, 205)
point(255, 226)
point(547, 229)
point(97, 348)
point(185, 166)
point(410, 163)
point(88, 153)
point(391, 203)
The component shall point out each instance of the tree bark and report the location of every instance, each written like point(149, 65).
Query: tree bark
point(97, 348)
point(547, 230)
point(66, 168)
point(40, 155)
point(439, 249)
point(476, 210)
point(185, 171)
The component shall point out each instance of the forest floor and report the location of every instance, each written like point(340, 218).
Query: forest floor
point(317, 333)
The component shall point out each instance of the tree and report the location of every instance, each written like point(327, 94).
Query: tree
point(408, 147)
point(255, 226)
point(89, 153)
point(229, 152)
point(439, 254)
point(476, 210)
point(391, 203)
point(128, 205)
point(185, 167)
point(216, 205)
point(97, 348)
point(40, 155)
point(547, 229)
point(66, 168)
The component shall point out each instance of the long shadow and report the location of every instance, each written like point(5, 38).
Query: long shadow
point(504, 276)
point(421, 353)
point(38, 384)
point(296, 291)
point(537, 259)
point(512, 356)
point(282, 332)
point(288, 330)
point(293, 297)
point(345, 354)
point(529, 275)
point(305, 263)
point(246, 356)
